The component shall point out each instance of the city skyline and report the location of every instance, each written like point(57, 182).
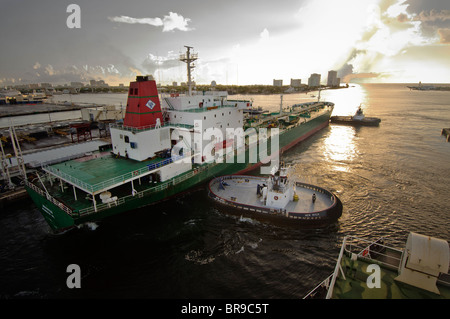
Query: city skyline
point(238, 43)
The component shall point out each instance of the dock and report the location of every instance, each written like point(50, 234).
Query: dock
point(12, 196)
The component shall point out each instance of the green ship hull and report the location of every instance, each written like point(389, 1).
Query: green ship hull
point(60, 216)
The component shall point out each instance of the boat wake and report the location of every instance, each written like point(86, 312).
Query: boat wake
point(249, 220)
point(89, 225)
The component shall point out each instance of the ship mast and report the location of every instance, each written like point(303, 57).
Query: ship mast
point(188, 58)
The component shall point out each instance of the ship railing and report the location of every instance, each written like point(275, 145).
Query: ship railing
point(146, 192)
point(194, 93)
point(371, 251)
point(113, 181)
point(325, 284)
point(312, 187)
point(50, 198)
point(148, 127)
point(337, 269)
point(206, 108)
point(68, 178)
point(381, 251)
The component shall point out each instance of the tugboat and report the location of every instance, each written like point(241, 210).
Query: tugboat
point(377, 270)
point(276, 199)
point(358, 119)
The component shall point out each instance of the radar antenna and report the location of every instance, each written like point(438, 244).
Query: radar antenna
point(188, 58)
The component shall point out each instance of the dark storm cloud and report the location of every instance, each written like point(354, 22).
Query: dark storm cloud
point(433, 15)
point(38, 35)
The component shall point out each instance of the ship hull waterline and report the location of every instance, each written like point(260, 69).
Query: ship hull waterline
point(348, 120)
point(59, 220)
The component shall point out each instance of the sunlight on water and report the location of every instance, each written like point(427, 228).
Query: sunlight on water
point(346, 101)
point(339, 147)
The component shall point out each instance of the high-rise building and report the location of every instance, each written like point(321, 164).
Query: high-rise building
point(314, 80)
point(333, 80)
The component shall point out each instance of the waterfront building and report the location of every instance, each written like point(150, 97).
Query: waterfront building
point(333, 80)
point(296, 83)
point(277, 82)
point(314, 80)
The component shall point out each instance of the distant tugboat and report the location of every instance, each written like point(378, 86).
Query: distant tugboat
point(276, 199)
point(358, 119)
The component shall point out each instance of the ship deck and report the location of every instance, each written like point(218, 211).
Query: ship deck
point(100, 171)
point(352, 274)
point(354, 286)
point(242, 190)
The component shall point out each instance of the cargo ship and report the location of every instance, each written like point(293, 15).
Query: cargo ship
point(168, 144)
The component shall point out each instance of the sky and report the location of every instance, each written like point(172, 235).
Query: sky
point(238, 42)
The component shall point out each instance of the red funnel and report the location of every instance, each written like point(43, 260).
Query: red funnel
point(143, 106)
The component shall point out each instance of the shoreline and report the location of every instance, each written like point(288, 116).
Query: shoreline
point(63, 108)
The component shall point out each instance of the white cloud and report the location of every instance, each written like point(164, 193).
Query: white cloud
point(171, 22)
point(157, 22)
point(175, 21)
point(264, 34)
point(49, 70)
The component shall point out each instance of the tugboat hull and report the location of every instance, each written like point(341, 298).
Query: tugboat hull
point(349, 120)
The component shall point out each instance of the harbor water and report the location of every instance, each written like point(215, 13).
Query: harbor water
point(391, 179)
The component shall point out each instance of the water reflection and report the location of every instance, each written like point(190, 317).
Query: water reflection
point(347, 100)
point(339, 147)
